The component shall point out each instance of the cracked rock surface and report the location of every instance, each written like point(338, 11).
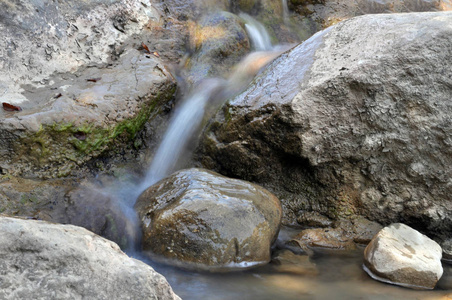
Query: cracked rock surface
point(354, 121)
point(84, 84)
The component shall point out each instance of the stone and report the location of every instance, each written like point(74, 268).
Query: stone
point(218, 41)
point(349, 123)
point(364, 230)
point(446, 245)
point(403, 256)
point(313, 219)
point(85, 86)
point(41, 260)
point(285, 261)
point(330, 12)
point(199, 219)
point(323, 238)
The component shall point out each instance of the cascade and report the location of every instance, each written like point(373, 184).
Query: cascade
point(285, 12)
point(260, 39)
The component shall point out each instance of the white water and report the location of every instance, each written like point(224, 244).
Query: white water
point(206, 98)
point(183, 125)
point(285, 12)
point(260, 39)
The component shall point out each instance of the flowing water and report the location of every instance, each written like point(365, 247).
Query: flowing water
point(285, 9)
point(260, 39)
point(337, 276)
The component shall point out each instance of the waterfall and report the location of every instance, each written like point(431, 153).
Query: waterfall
point(206, 98)
point(182, 127)
point(285, 12)
point(260, 39)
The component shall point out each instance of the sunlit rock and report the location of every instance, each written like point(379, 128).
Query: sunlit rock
point(218, 41)
point(82, 79)
point(40, 260)
point(354, 121)
point(199, 219)
point(401, 255)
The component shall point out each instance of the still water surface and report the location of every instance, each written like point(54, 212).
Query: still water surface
point(340, 276)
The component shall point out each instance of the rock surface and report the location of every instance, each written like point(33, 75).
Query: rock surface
point(324, 238)
point(83, 82)
point(330, 12)
point(218, 42)
point(355, 121)
point(200, 219)
point(40, 260)
point(401, 255)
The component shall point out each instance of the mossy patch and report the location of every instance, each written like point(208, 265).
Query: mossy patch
point(62, 146)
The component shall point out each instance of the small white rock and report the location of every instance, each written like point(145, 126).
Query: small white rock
point(401, 255)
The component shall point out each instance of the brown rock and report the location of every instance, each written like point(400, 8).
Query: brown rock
point(200, 219)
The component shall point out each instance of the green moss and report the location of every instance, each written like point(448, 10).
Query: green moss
point(63, 143)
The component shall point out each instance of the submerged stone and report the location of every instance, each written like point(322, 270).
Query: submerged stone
point(326, 238)
point(401, 255)
point(200, 219)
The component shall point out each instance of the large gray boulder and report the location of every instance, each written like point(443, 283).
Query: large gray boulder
point(354, 121)
point(199, 219)
point(401, 255)
point(40, 260)
point(84, 84)
point(330, 12)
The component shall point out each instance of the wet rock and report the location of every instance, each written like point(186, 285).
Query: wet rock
point(349, 123)
point(364, 230)
point(197, 218)
point(445, 283)
point(86, 203)
point(99, 211)
point(286, 261)
point(83, 85)
point(446, 245)
point(313, 219)
point(40, 260)
point(29, 198)
point(401, 255)
point(325, 238)
point(218, 42)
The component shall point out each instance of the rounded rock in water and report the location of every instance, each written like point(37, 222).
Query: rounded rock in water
point(198, 218)
point(401, 255)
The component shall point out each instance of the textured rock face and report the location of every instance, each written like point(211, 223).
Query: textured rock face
point(40, 260)
point(401, 255)
point(329, 12)
point(82, 83)
point(208, 221)
point(356, 120)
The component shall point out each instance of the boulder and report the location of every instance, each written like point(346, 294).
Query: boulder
point(40, 260)
point(199, 219)
point(330, 12)
point(218, 41)
point(322, 238)
point(354, 121)
point(82, 80)
point(401, 255)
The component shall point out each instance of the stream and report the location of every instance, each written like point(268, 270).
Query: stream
point(337, 275)
point(330, 275)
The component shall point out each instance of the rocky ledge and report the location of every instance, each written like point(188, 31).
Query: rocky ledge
point(354, 121)
point(79, 80)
